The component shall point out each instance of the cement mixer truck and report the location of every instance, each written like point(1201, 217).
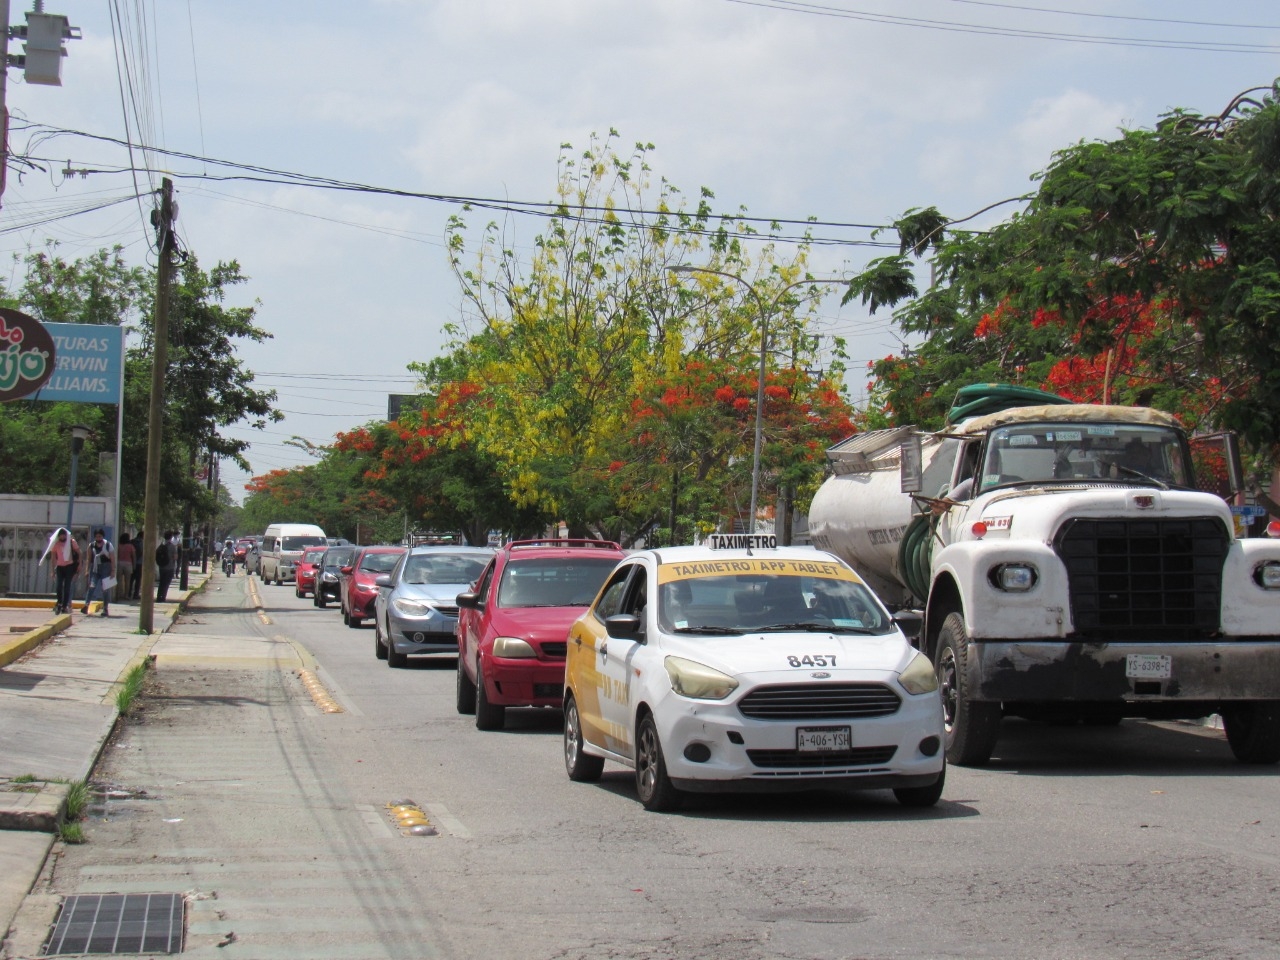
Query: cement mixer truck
point(1065, 566)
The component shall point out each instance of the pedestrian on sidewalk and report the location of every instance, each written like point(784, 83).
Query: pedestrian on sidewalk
point(64, 559)
point(100, 566)
point(164, 561)
point(126, 559)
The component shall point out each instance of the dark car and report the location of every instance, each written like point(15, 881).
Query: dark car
point(512, 628)
point(357, 588)
point(329, 573)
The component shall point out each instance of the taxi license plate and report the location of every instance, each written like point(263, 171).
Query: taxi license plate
point(823, 739)
point(1148, 666)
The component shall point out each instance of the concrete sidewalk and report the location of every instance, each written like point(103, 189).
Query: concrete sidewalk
point(58, 677)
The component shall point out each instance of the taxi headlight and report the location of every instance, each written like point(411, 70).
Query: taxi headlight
point(697, 680)
point(512, 648)
point(919, 677)
point(411, 608)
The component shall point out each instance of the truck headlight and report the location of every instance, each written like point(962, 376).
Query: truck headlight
point(512, 648)
point(697, 680)
point(919, 677)
point(1267, 575)
point(1013, 577)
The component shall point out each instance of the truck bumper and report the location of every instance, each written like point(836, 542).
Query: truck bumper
point(1040, 671)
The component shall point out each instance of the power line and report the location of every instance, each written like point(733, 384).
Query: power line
point(950, 26)
point(1118, 16)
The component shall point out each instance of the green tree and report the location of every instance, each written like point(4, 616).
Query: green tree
point(1176, 225)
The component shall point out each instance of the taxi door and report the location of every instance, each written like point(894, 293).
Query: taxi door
point(616, 658)
point(588, 670)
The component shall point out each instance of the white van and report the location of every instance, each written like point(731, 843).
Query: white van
point(282, 547)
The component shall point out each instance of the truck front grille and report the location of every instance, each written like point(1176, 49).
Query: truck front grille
point(1156, 579)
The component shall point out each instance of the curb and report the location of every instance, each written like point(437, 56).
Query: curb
point(13, 649)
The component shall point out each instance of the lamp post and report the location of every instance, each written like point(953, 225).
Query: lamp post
point(79, 434)
point(764, 311)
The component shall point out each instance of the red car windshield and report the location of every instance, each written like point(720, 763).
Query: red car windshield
point(553, 581)
point(377, 563)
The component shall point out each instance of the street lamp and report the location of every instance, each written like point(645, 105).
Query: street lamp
point(79, 434)
point(764, 342)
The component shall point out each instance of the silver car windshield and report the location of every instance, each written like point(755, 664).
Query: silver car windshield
point(442, 568)
point(762, 603)
point(1075, 452)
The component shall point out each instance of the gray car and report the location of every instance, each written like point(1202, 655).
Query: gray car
point(416, 610)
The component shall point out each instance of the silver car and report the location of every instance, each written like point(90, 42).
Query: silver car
point(416, 610)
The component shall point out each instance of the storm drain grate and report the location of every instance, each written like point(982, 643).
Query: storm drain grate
point(118, 923)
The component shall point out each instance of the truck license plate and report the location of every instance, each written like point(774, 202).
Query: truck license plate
point(1148, 666)
point(823, 739)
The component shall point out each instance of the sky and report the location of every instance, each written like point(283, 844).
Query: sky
point(849, 111)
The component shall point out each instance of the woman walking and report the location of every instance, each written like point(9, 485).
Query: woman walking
point(100, 565)
point(64, 559)
point(126, 557)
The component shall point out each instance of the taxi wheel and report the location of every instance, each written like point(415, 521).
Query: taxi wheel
point(489, 716)
point(653, 786)
point(922, 796)
point(379, 650)
point(581, 766)
point(466, 692)
point(971, 727)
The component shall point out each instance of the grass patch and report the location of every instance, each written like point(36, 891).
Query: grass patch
point(24, 778)
point(77, 799)
point(131, 687)
point(71, 833)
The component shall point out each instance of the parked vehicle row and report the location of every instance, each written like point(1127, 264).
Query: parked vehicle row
point(736, 666)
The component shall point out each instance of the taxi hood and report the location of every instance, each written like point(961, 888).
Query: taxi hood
point(771, 652)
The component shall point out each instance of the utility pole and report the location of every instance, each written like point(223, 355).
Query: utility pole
point(162, 219)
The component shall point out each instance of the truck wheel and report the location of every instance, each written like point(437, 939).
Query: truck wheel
point(581, 766)
point(972, 727)
point(922, 796)
point(1253, 731)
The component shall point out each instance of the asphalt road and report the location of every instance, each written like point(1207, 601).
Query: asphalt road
point(1143, 840)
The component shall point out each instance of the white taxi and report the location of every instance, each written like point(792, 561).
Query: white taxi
point(744, 666)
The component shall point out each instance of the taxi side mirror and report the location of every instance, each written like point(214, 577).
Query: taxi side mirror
point(383, 581)
point(468, 601)
point(624, 626)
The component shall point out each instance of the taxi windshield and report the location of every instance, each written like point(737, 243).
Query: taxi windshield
point(764, 603)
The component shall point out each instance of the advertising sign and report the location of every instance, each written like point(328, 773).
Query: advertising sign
point(26, 355)
point(90, 356)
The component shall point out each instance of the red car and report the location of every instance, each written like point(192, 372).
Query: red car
point(242, 548)
point(305, 572)
point(356, 590)
point(513, 627)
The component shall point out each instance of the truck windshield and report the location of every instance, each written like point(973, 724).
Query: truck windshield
point(1075, 452)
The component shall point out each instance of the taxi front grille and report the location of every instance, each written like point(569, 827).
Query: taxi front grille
point(859, 757)
point(555, 651)
point(819, 701)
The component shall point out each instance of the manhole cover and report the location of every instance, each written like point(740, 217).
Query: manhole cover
point(118, 923)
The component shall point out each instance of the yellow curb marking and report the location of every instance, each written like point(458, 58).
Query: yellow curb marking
point(318, 693)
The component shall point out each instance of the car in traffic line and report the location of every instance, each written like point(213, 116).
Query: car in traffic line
point(305, 573)
point(417, 609)
point(357, 588)
point(742, 666)
point(328, 571)
point(512, 628)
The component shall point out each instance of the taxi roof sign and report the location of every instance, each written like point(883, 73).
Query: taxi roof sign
point(742, 541)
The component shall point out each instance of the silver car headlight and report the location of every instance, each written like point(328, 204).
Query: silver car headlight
point(692, 679)
point(512, 648)
point(919, 677)
point(411, 608)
